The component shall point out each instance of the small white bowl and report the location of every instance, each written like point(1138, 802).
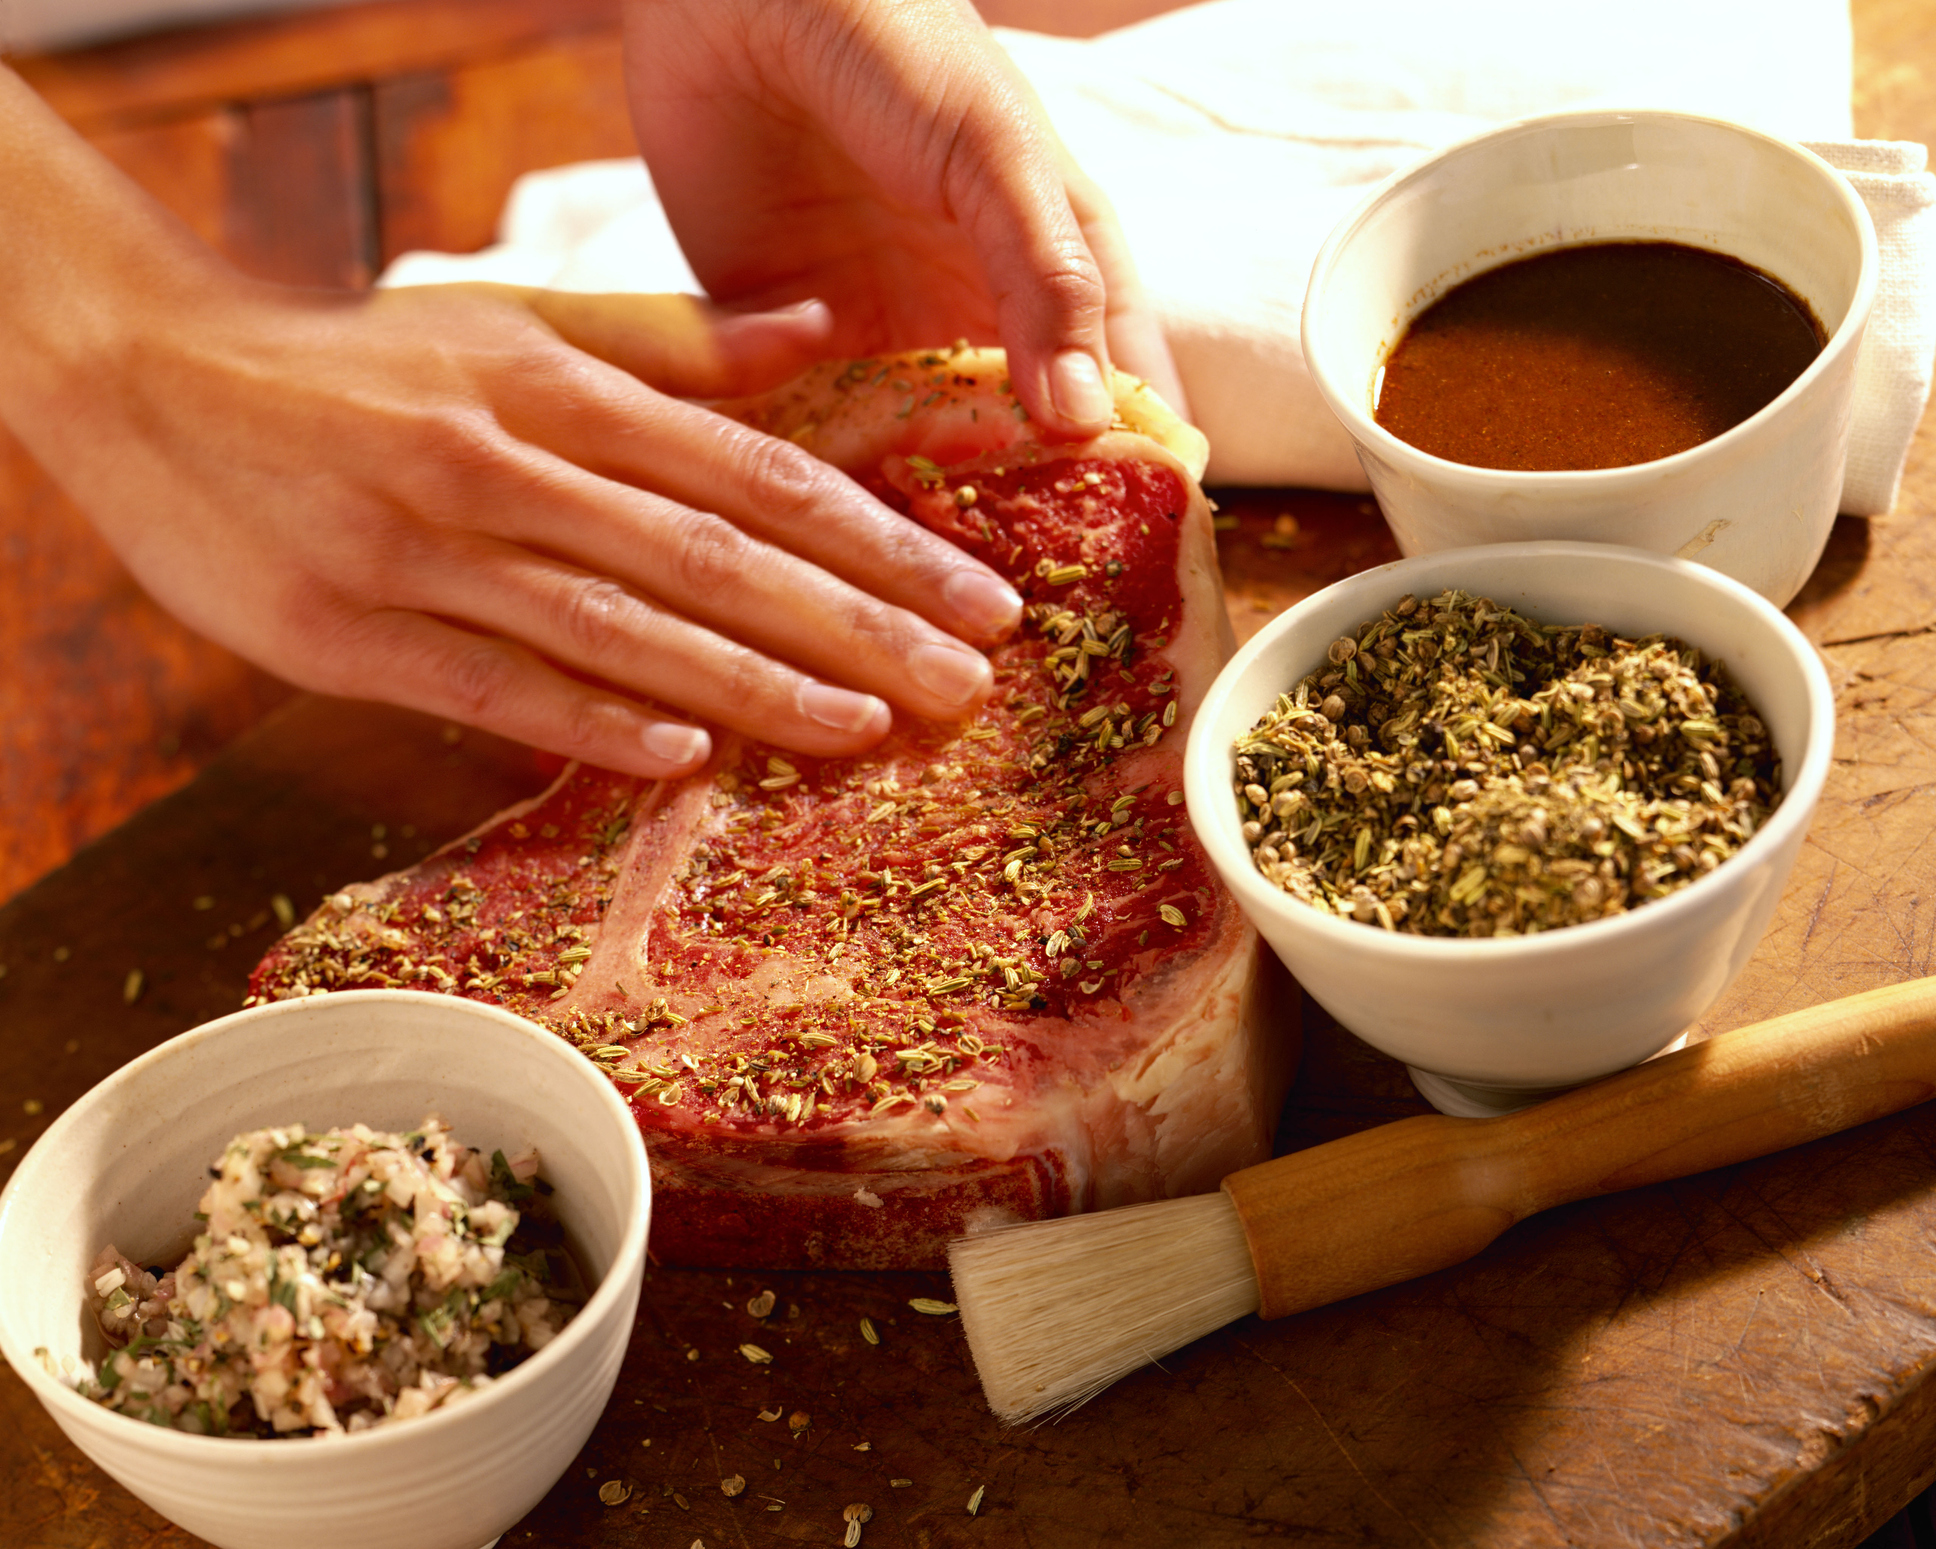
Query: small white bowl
point(1492, 1025)
point(1755, 502)
point(129, 1161)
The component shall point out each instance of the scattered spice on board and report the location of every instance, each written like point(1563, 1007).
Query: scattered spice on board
point(1458, 769)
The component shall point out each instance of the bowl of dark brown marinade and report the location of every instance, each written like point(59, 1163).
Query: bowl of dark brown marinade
point(1633, 328)
point(1515, 815)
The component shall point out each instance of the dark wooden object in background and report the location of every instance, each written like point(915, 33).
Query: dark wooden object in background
point(1742, 1359)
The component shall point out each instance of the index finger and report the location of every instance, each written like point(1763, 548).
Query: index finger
point(769, 489)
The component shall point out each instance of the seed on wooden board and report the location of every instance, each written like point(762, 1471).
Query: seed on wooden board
point(614, 1492)
point(756, 1355)
point(770, 1414)
point(974, 1501)
point(762, 1306)
point(868, 1332)
point(732, 1485)
point(853, 1535)
point(860, 1511)
point(931, 1307)
point(799, 1420)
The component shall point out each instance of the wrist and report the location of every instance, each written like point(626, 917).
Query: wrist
point(88, 262)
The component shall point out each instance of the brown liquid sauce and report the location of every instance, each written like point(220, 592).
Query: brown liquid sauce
point(1595, 357)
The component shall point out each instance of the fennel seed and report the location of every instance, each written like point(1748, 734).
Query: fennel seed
point(1454, 768)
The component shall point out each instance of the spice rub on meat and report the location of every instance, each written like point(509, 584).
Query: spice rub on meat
point(981, 973)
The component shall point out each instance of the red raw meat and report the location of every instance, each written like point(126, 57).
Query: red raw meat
point(983, 973)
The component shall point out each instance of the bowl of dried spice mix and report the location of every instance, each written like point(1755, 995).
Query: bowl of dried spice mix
point(1515, 815)
point(358, 1268)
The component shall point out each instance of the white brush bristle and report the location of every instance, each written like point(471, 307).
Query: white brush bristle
point(1055, 1311)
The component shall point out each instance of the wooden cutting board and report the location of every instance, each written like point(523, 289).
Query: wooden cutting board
point(1742, 1358)
point(1739, 1359)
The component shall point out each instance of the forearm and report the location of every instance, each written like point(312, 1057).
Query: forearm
point(84, 253)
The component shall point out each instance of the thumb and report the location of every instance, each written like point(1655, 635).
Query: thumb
point(685, 346)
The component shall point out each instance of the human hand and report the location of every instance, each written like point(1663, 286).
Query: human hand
point(492, 504)
point(890, 161)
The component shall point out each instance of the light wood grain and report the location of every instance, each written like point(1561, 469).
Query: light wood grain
point(1406, 1199)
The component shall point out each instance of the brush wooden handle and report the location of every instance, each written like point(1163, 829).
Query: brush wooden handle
point(1424, 1193)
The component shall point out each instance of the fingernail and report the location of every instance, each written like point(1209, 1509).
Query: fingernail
point(802, 308)
point(952, 673)
point(839, 710)
point(678, 745)
point(985, 604)
point(1077, 391)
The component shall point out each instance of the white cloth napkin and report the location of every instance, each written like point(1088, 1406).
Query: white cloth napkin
point(1892, 373)
point(1233, 135)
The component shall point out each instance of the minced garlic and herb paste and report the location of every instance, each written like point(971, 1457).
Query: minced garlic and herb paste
point(1457, 769)
point(338, 1281)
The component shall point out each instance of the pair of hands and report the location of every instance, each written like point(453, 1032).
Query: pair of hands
point(497, 504)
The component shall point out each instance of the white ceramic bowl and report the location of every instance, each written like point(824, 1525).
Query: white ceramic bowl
point(128, 1162)
point(1490, 1025)
point(1756, 502)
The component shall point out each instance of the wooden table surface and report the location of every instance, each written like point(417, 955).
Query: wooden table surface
point(1744, 1358)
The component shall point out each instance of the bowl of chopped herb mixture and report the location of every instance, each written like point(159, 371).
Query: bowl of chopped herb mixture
point(356, 1268)
point(1515, 815)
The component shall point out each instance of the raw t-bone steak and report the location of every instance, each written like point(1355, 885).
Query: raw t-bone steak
point(982, 973)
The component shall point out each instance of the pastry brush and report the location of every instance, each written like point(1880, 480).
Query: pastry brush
point(1055, 1311)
